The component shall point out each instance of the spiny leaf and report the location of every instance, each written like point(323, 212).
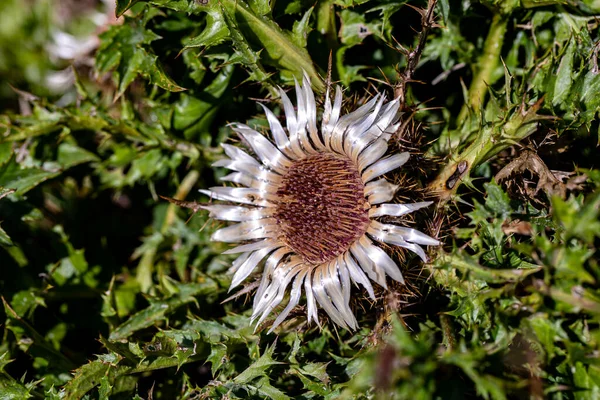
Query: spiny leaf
point(246, 56)
point(194, 113)
point(85, 378)
point(265, 388)
point(564, 76)
point(258, 368)
point(277, 48)
point(159, 309)
point(124, 5)
point(21, 179)
point(125, 51)
point(35, 344)
point(4, 238)
point(579, 220)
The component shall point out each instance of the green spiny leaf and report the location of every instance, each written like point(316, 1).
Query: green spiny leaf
point(258, 368)
point(125, 51)
point(124, 5)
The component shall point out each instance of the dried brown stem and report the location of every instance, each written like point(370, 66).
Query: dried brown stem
point(414, 56)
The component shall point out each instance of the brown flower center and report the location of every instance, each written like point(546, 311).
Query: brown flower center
point(321, 208)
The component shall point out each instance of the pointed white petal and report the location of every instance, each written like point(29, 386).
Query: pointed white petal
point(360, 111)
point(279, 135)
point(311, 305)
point(362, 144)
point(237, 154)
point(270, 266)
point(251, 246)
point(397, 210)
point(416, 236)
point(326, 111)
point(362, 126)
point(357, 275)
point(247, 181)
point(262, 180)
point(331, 119)
point(318, 286)
point(380, 191)
point(237, 262)
point(294, 299)
point(385, 124)
point(388, 236)
point(277, 278)
point(248, 266)
point(326, 107)
point(264, 149)
point(334, 289)
point(302, 115)
point(382, 259)
point(235, 213)
point(373, 142)
point(300, 106)
point(248, 230)
point(390, 131)
point(288, 108)
point(374, 272)
point(311, 115)
point(291, 123)
point(339, 131)
point(345, 278)
point(372, 153)
point(311, 111)
point(384, 166)
point(253, 170)
point(333, 285)
point(280, 284)
point(408, 234)
point(239, 195)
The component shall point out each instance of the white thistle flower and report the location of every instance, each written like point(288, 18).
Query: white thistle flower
point(310, 203)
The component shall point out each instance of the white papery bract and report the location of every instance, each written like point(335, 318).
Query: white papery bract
point(308, 204)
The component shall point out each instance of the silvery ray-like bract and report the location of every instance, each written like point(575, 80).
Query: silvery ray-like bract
point(308, 204)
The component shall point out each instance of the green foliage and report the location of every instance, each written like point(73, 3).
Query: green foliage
point(124, 48)
point(110, 292)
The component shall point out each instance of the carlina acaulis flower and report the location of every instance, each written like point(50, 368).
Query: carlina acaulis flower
point(308, 204)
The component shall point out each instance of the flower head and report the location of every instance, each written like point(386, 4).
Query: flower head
point(309, 204)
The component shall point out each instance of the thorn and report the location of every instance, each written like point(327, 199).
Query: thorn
point(195, 206)
point(329, 68)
